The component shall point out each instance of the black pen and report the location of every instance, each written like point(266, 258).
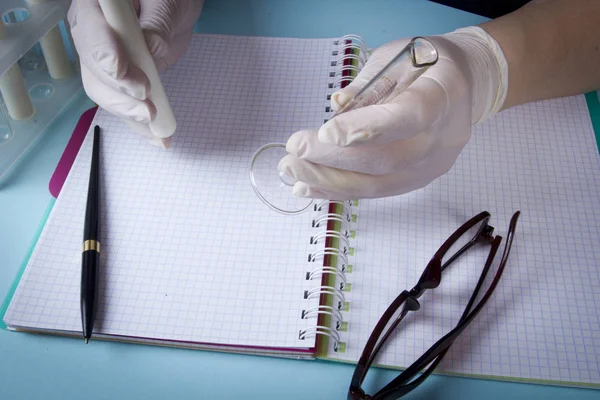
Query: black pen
point(90, 259)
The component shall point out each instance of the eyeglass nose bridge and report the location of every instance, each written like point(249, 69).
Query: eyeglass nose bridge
point(430, 278)
point(358, 394)
point(411, 304)
point(487, 234)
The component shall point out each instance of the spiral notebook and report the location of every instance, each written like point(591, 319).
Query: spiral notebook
point(194, 259)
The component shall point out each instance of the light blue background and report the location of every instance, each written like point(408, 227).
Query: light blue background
point(44, 367)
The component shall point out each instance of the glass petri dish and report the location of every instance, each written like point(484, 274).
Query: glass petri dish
point(272, 187)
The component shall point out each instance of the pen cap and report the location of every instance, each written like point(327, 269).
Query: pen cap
point(122, 18)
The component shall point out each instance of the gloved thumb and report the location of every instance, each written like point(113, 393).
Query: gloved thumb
point(376, 62)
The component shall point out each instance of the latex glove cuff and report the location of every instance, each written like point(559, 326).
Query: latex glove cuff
point(488, 68)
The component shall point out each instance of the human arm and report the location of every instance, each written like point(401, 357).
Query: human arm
point(415, 136)
point(552, 48)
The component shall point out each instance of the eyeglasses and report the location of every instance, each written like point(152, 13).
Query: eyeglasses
point(474, 231)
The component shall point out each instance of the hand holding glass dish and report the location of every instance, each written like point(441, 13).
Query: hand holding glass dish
point(274, 187)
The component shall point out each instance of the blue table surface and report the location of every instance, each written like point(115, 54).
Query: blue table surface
point(49, 367)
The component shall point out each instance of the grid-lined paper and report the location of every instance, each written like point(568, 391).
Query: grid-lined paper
point(542, 321)
point(189, 251)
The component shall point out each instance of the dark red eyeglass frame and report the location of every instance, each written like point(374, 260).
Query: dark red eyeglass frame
point(430, 279)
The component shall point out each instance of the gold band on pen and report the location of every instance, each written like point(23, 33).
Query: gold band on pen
point(91, 245)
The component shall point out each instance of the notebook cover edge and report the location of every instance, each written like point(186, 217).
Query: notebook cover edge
point(13, 287)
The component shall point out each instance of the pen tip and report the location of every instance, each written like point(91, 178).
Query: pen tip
point(86, 340)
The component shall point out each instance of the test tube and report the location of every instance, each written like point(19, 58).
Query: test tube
point(399, 73)
point(13, 89)
point(54, 51)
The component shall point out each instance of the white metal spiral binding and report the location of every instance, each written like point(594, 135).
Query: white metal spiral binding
point(329, 216)
point(343, 72)
point(337, 83)
point(330, 290)
point(346, 207)
point(344, 52)
point(320, 271)
point(344, 220)
point(344, 68)
point(355, 39)
point(322, 330)
point(320, 254)
point(353, 42)
point(329, 234)
point(319, 206)
point(317, 310)
point(338, 270)
point(360, 60)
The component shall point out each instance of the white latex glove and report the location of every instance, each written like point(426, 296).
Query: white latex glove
point(411, 139)
point(109, 79)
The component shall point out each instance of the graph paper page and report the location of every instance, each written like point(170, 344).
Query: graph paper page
point(542, 321)
point(189, 252)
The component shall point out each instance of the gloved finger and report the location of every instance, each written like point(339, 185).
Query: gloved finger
point(380, 57)
point(377, 159)
point(409, 113)
point(136, 113)
point(336, 184)
point(165, 54)
point(167, 28)
point(144, 131)
point(116, 102)
point(302, 189)
point(100, 52)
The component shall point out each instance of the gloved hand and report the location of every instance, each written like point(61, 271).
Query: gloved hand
point(411, 139)
point(109, 79)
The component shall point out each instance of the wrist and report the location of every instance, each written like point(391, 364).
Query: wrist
point(487, 70)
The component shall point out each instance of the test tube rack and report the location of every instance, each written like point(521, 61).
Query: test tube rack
point(39, 75)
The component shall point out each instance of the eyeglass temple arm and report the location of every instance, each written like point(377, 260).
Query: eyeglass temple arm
point(486, 269)
point(435, 354)
point(409, 305)
point(373, 344)
point(440, 348)
point(483, 217)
